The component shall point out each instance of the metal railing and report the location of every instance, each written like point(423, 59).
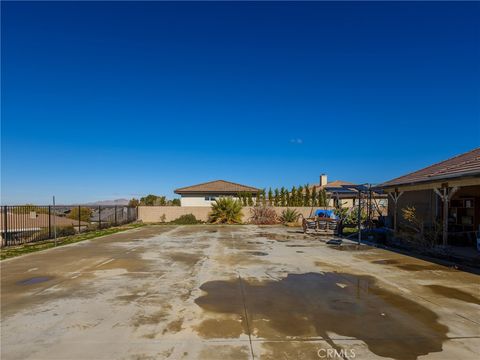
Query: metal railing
point(20, 224)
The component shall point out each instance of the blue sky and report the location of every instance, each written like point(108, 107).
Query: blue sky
point(104, 100)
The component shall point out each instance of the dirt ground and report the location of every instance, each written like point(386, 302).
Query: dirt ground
point(234, 292)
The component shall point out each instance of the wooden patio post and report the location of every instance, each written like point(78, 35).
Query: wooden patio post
point(446, 195)
point(395, 196)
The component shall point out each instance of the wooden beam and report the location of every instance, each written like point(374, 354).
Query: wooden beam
point(468, 181)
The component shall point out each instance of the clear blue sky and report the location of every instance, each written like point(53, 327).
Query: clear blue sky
point(104, 100)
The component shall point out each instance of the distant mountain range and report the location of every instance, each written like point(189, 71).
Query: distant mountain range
point(120, 202)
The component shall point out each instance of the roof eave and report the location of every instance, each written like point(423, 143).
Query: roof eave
point(430, 180)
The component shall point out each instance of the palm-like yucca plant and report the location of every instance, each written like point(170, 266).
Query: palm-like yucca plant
point(226, 210)
point(289, 216)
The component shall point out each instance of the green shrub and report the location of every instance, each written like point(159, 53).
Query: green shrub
point(289, 216)
point(226, 210)
point(188, 219)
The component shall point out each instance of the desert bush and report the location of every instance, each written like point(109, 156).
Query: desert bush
point(85, 214)
point(263, 215)
point(65, 231)
point(413, 221)
point(289, 216)
point(415, 230)
point(226, 210)
point(188, 219)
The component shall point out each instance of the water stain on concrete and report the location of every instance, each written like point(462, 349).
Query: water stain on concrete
point(419, 267)
point(385, 262)
point(257, 253)
point(222, 352)
point(276, 237)
point(298, 350)
point(296, 245)
point(34, 280)
point(185, 258)
point(453, 293)
point(174, 326)
point(151, 319)
point(350, 247)
point(410, 267)
point(313, 304)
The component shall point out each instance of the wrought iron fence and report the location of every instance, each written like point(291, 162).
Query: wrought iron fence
point(20, 224)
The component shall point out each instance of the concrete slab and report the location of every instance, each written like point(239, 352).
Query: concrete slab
point(234, 292)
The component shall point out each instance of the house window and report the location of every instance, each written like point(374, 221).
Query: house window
point(210, 198)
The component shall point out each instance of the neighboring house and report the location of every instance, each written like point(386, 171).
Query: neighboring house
point(206, 193)
point(447, 192)
point(345, 194)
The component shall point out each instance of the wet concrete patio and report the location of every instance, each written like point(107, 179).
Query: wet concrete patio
point(234, 292)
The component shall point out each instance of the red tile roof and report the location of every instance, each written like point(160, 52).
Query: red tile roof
point(467, 164)
point(216, 187)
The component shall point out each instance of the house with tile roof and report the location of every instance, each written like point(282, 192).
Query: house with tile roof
point(205, 194)
point(447, 192)
point(344, 194)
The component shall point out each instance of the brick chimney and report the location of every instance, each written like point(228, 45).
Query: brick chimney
point(323, 179)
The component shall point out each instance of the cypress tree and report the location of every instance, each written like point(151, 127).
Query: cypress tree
point(306, 198)
point(250, 199)
point(283, 200)
point(299, 201)
point(270, 197)
point(263, 197)
point(292, 200)
point(276, 197)
point(314, 196)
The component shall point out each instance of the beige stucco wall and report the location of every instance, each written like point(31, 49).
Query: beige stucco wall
point(153, 214)
point(198, 200)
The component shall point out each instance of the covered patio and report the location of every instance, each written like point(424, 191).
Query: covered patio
point(445, 195)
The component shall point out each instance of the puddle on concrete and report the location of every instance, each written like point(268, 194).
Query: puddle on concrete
point(453, 293)
point(257, 253)
point(315, 304)
point(221, 328)
point(34, 280)
point(300, 252)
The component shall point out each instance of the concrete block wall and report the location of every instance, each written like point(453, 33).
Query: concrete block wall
point(154, 214)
